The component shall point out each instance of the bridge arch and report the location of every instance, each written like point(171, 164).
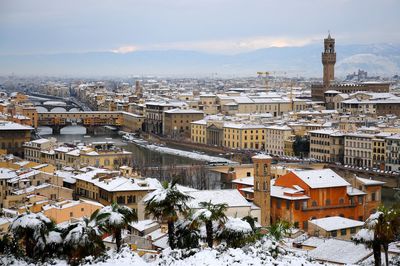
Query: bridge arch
point(58, 109)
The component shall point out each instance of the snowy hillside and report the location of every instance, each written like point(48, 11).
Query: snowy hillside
point(259, 253)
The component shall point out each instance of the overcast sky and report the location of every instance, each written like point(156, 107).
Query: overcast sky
point(216, 26)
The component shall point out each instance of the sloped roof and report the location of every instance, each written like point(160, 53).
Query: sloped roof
point(321, 178)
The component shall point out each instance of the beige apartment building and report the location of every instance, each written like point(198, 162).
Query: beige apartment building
point(107, 187)
point(176, 122)
point(33, 149)
point(209, 104)
point(275, 137)
point(327, 145)
point(358, 149)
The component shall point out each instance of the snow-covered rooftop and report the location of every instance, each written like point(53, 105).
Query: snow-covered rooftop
point(321, 178)
point(336, 223)
point(340, 251)
point(232, 197)
point(370, 182)
point(6, 125)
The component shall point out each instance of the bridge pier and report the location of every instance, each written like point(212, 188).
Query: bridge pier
point(56, 130)
point(90, 130)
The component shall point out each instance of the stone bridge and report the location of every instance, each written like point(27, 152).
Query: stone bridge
point(91, 119)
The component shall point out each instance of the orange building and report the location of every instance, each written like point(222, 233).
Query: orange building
point(300, 196)
point(303, 195)
point(373, 188)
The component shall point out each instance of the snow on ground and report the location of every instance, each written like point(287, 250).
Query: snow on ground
point(256, 254)
point(188, 154)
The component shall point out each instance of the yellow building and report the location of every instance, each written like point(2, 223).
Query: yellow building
point(13, 136)
point(379, 152)
point(198, 131)
point(67, 210)
point(244, 136)
point(104, 154)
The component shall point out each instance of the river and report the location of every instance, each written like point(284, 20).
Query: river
point(141, 156)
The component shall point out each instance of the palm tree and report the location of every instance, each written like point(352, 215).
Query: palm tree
point(83, 238)
point(279, 229)
point(381, 228)
point(165, 204)
point(235, 232)
point(389, 229)
point(115, 219)
point(187, 234)
point(209, 214)
point(31, 229)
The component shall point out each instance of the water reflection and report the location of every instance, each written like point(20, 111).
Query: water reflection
point(141, 157)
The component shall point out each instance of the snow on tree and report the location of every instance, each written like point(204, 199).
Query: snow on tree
point(31, 229)
point(114, 218)
point(235, 232)
point(165, 204)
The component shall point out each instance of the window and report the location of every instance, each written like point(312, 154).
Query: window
point(352, 230)
point(296, 224)
point(327, 202)
point(287, 204)
point(341, 201)
point(121, 199)
point(314, 203)
point(360, 199)
point(334, 233)
point(131, 199)
point(343, 232)
point(82, 209)
point(373, 196)
point(297, 205)
point(305, 225)
point(71, 214)
point(278, 203)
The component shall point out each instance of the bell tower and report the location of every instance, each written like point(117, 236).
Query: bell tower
point(329, 60)
point(262, 186)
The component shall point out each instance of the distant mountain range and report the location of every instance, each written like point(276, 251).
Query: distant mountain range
point(377, 59)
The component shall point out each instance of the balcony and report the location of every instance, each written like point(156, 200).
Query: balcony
point(317, 208)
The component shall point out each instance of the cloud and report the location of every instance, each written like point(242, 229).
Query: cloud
point(228, 46)
point(125, 49)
